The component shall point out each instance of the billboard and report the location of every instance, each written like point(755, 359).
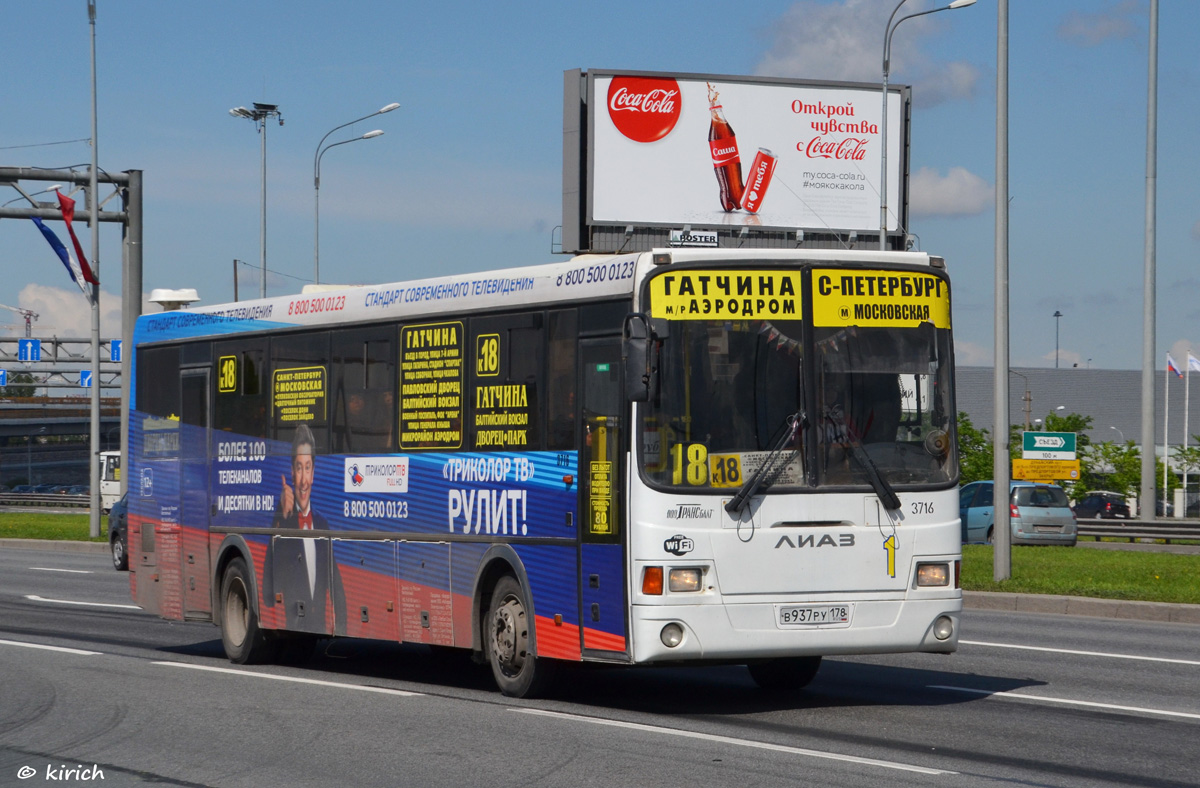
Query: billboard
point(728, 152)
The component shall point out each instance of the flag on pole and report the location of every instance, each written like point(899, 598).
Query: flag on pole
point(1173, 367)
point(68, 212)
point(67, 260)
point(1193, 363)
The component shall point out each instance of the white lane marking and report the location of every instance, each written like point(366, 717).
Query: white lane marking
point(72, 571)
point(1066, 701)
point(49, 648)
point(736, 742)
point(1080, 653)
point(36, 598)
point(295, 679)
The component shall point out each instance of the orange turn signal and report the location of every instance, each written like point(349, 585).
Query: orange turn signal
point(652, 581)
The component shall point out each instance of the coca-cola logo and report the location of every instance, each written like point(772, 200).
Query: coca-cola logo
point(644, 109)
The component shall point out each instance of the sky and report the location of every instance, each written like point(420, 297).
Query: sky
point(467, 175)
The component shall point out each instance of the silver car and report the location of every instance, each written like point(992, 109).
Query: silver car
point(1039, 514)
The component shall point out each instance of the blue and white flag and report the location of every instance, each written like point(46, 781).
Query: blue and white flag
point(68, 261)
point(1193, 363)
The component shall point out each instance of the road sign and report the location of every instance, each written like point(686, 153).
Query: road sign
point(114, 350)
point(85, 378)
point(1039, 470)
point(1048, 446)
point(29, 350)
point(3, 377)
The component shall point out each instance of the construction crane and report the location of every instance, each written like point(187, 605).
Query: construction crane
point(28, 314)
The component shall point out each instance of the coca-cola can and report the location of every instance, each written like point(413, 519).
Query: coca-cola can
point(758, 180)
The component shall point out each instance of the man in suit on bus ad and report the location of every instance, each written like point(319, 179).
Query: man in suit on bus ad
point(301, 568)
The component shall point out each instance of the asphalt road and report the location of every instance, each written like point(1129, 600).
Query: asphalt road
point(89, 683)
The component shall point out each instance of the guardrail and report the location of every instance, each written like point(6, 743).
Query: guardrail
point(1140, 529)
point(43, 499)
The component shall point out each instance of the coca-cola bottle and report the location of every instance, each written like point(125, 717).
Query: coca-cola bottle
point(726, 162)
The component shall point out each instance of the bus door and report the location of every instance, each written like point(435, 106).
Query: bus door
point(602, 616)
point(193, 493)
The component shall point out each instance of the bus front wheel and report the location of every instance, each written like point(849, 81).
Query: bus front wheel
point(784, 674)
point(245, 643)
point(506, 640)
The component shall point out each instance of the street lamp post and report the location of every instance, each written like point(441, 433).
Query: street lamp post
point(1027, 399)
point(260, 114)
point(1119, 433)
point(317, 179)
point(1057, 315)
point(887, 57)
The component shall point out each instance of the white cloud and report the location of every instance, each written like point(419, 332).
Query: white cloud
point(844, 41)
point(958, 193)
point(1114, 22)
point(969, 354)
point(67, 313)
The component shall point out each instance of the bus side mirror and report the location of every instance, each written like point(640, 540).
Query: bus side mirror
point(635, 357)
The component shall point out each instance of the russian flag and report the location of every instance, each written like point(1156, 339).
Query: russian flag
point(1173, 367)
point(68, 261)
point(68, 211)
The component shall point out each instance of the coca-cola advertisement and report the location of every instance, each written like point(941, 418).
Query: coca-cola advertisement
point(676, 149)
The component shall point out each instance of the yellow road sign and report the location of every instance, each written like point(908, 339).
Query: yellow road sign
point(1037, 470)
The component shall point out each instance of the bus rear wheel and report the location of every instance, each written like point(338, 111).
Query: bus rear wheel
point(245, 643)
point(785, 674)
point(506, 641)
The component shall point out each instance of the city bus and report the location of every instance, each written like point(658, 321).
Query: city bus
point(110, 479)
point(680, 456)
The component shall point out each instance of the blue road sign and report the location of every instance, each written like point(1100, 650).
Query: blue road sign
point(85, 378)
point(29, 350)
point(3, 377)
point(114, 350)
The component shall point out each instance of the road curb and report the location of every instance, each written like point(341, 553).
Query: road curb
point(55, 544)
point(1082, 606)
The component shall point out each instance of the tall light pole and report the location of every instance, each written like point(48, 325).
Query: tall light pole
point(260, 114)
point(887, 57)
point(1057, 315)
point(317, 179)
point(1119, 433)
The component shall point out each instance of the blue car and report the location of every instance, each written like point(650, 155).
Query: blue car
point(1039, 514)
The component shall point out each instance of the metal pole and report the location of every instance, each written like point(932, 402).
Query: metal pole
point(94, 225)
point(1002, 555)
point(1167, 436)
point(131, 306)
point(235, 290)
point(1057, 316)
point(317, 229)
point(1148, 292)
point(262, 228)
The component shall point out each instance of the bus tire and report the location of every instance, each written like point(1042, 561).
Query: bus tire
point(245, 643)
point(785, 674)
point(518, 672)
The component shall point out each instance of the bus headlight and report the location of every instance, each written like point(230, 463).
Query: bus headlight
point(671, 635)
point(933, 575)
point(685, 579)
point(943, 628)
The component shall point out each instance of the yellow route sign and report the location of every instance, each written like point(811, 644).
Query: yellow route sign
point(1038, 470)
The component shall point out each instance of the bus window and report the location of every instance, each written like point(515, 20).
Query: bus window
point(300, 386)
point(363, 374)
point(560, 377)
point(507, 359)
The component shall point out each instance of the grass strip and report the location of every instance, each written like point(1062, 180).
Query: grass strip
point(1103, 574)
point(43, 525)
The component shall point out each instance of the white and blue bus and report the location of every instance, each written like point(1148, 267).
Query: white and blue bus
point(677, 456)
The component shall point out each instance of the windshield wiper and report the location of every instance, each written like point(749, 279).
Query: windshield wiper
point(887, 496)
point(792, 425)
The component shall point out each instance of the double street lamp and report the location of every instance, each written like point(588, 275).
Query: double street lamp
point(320, 152)
point(887, 57)
point(260, 114)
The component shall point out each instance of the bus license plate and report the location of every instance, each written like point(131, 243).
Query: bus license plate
point(814, 615)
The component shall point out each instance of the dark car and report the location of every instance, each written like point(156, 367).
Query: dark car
point(118, 535)
point(1102, 505)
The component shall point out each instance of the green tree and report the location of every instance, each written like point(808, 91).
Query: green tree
point(975, 451)
point(17, 386)
point(1070, 422)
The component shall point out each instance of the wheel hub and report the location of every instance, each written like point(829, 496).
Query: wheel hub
point(509, 636)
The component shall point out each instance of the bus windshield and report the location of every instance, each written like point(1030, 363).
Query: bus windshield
point(732, 393)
